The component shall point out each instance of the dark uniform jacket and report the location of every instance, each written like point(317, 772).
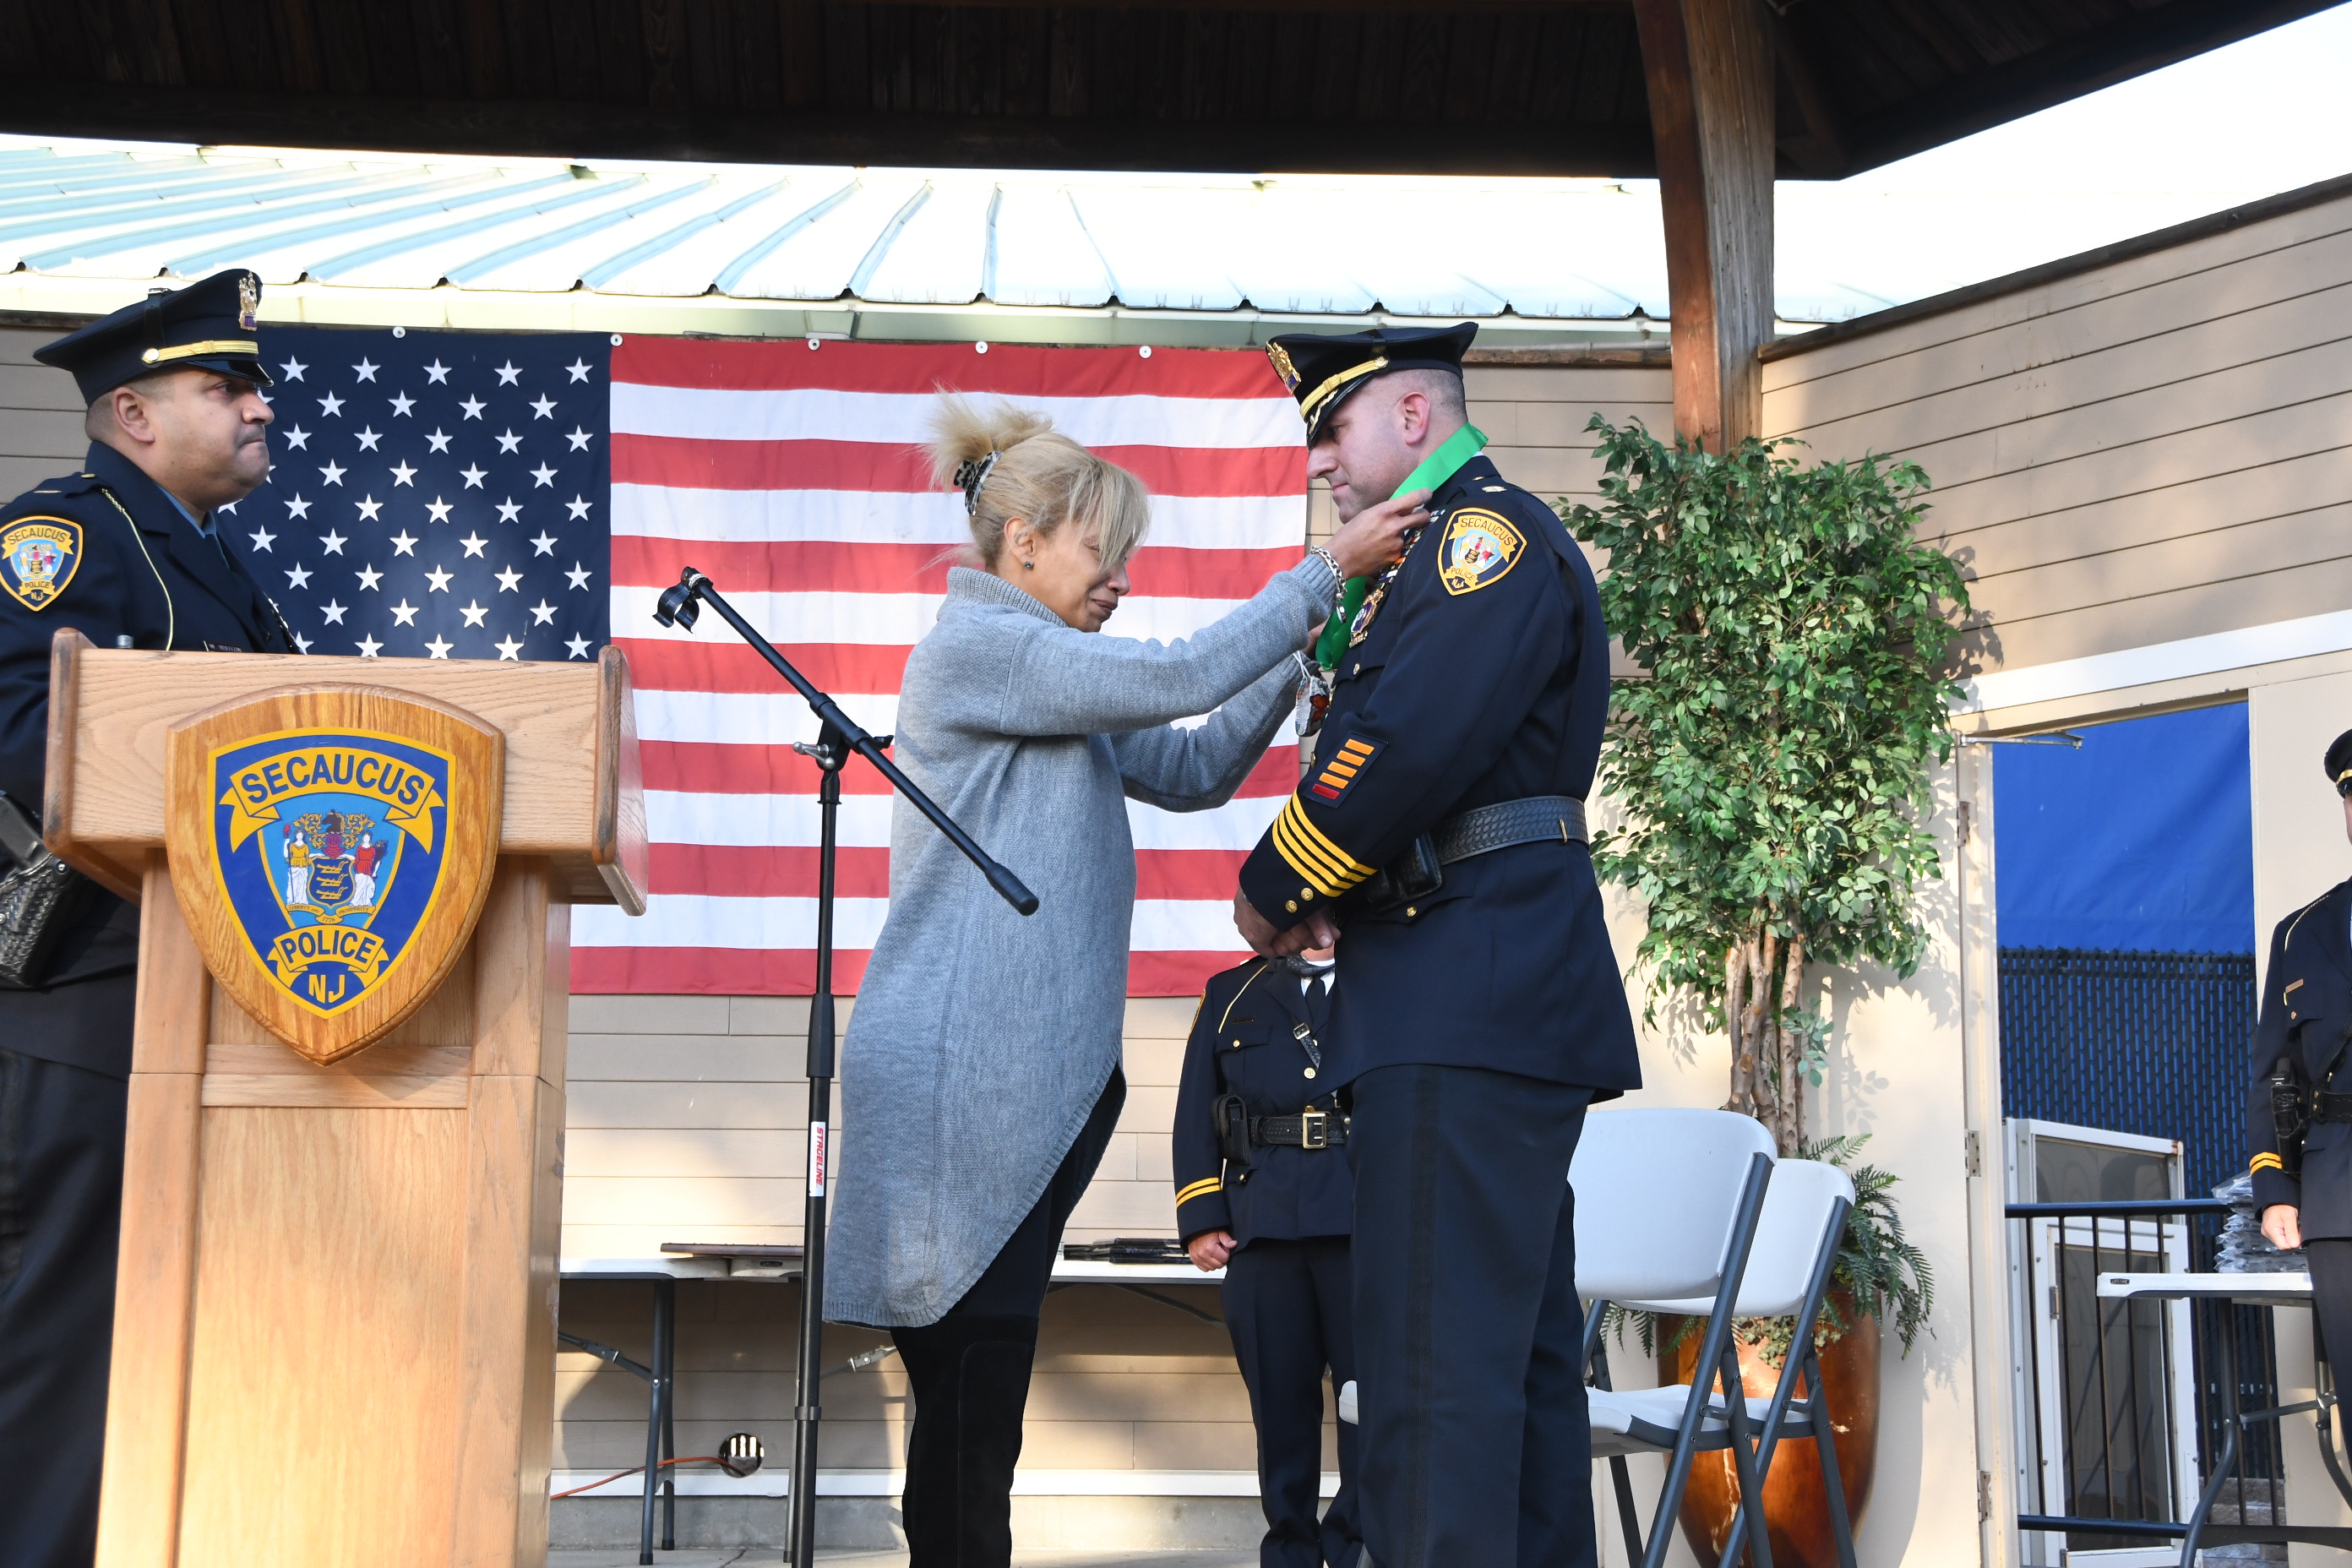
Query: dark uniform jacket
point(2306, 1010)
point(137, 569)
point(1252, 1038)
point(1482, 677)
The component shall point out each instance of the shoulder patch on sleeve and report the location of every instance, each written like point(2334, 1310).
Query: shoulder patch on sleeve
point(1480, 549)
point(38, 556)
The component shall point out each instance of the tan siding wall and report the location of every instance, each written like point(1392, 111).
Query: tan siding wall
point(686, 1123)
point(40, 415)
point(2157, 449)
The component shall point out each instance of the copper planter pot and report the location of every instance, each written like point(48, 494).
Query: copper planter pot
point(1795, 1506)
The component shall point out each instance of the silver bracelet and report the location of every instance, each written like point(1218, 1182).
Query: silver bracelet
point(1338, 578)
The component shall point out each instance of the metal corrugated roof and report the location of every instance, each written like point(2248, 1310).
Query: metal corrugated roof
point(1521, 253)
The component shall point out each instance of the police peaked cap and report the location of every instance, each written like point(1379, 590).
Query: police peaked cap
point(209, 325)
point(1323, 371)
point(2338, 761)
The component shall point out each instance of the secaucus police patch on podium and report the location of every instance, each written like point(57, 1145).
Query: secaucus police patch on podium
point(326, 848)
point(331, 847)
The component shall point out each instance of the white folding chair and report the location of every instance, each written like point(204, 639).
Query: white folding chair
point(1667, 1207)
point(1788, 1276)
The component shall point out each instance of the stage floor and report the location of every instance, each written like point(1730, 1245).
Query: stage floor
point(855, 1557)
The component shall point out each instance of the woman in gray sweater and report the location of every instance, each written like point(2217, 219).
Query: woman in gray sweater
point(981, 1072)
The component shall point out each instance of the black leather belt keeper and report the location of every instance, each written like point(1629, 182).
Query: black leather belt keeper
point(1307, 1129)
point(2327, 1107)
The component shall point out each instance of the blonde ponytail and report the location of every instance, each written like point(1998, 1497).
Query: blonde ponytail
point(1010, 463)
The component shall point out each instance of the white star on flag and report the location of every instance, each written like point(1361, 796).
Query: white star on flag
point(509, 580)
point(333, 473)
point(297, 506)
point(473, 544)
point(510, 442)
point(544, 544)
point(509, 509)
point(543, 477)
point(403, 474)
point(578, 646)
point(509, 375)
point(369, 576)
point(439, 509)
point(473, 476)
point(369, 647)
point(368, 438)
point(404, 613)
point(368, 507)
point(473, 407)
point(297, 439)
point(330, 404)
point(332, 543)
point(542, 613)
point(508, 646)
point(578, 507)
point(439, 577)
point(579, 369)
point(438, 440)
point(365, 371)
point(473, 614)
point(262, 537)
point(300, 575)
point(439, 648)
point(578, 440)
point(579, 576)
point(542, 407)
point(403, 543)
point(401, 404)
point(437, 373)
point(333, 612)
point(292, 370)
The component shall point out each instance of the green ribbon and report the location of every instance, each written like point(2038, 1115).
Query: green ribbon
point(1435, 470)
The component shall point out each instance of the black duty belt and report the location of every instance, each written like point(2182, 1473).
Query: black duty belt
point(1420, 870)
point(1307, 1129)
point(2327, 1107)
point(1537, 819)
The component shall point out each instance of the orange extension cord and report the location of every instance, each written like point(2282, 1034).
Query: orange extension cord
point(634, 1469)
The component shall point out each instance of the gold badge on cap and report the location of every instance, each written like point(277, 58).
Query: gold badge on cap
point(248, 302)
point(1280, 357)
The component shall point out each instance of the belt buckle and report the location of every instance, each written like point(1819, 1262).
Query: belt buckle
point(1314, 1129)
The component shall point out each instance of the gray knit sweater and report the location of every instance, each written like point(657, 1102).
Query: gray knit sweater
point(980, 1039)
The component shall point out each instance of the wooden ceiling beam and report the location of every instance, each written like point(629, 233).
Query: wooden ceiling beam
point(521, 128)
point(1709, 64)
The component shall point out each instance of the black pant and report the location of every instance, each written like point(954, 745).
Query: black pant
point(60, 1217)
point(2329, 1259)
point(1474, 1444)
point(1287, 1307)
point(969, 1375)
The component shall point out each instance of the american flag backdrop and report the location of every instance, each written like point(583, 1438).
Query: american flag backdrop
point(512, 496)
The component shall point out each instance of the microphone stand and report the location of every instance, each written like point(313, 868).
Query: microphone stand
point(837, 736)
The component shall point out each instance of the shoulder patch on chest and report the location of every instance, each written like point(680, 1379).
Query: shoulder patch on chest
point(1480, 548)
point(38, 556)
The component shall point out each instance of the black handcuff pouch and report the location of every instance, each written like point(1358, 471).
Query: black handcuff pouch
point(1412, 876)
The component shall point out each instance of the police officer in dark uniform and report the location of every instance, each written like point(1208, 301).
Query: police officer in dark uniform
point(1480, 1011)
point(1263, 1191)
point(125, 551)
point(2299, 1046)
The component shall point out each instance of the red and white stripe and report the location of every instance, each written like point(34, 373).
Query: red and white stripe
point(796, 480)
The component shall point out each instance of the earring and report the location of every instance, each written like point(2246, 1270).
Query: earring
point(1028, 566)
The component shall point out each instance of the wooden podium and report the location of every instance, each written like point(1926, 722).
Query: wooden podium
point(334, 1329)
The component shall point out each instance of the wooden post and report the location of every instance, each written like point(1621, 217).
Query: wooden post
point(335, 1322)
point(1710, 67)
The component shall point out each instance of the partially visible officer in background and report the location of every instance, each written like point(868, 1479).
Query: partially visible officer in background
point(123, 551)
point(1263, 1191)
point(1480, 1010)
point(2299, 1048)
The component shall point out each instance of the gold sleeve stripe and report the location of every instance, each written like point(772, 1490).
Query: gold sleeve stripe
point(2267, 1162)
point(1315, 836)
point(1201, 1189)
point(1309, 862)
point(1309, 869)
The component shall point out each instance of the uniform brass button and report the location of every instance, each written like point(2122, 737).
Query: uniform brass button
point(1291, 905)
point(1306, 892)
point(1410, 911)
point(1310, 1072)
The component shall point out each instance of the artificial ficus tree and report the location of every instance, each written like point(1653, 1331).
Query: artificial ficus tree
point(1774, 761)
